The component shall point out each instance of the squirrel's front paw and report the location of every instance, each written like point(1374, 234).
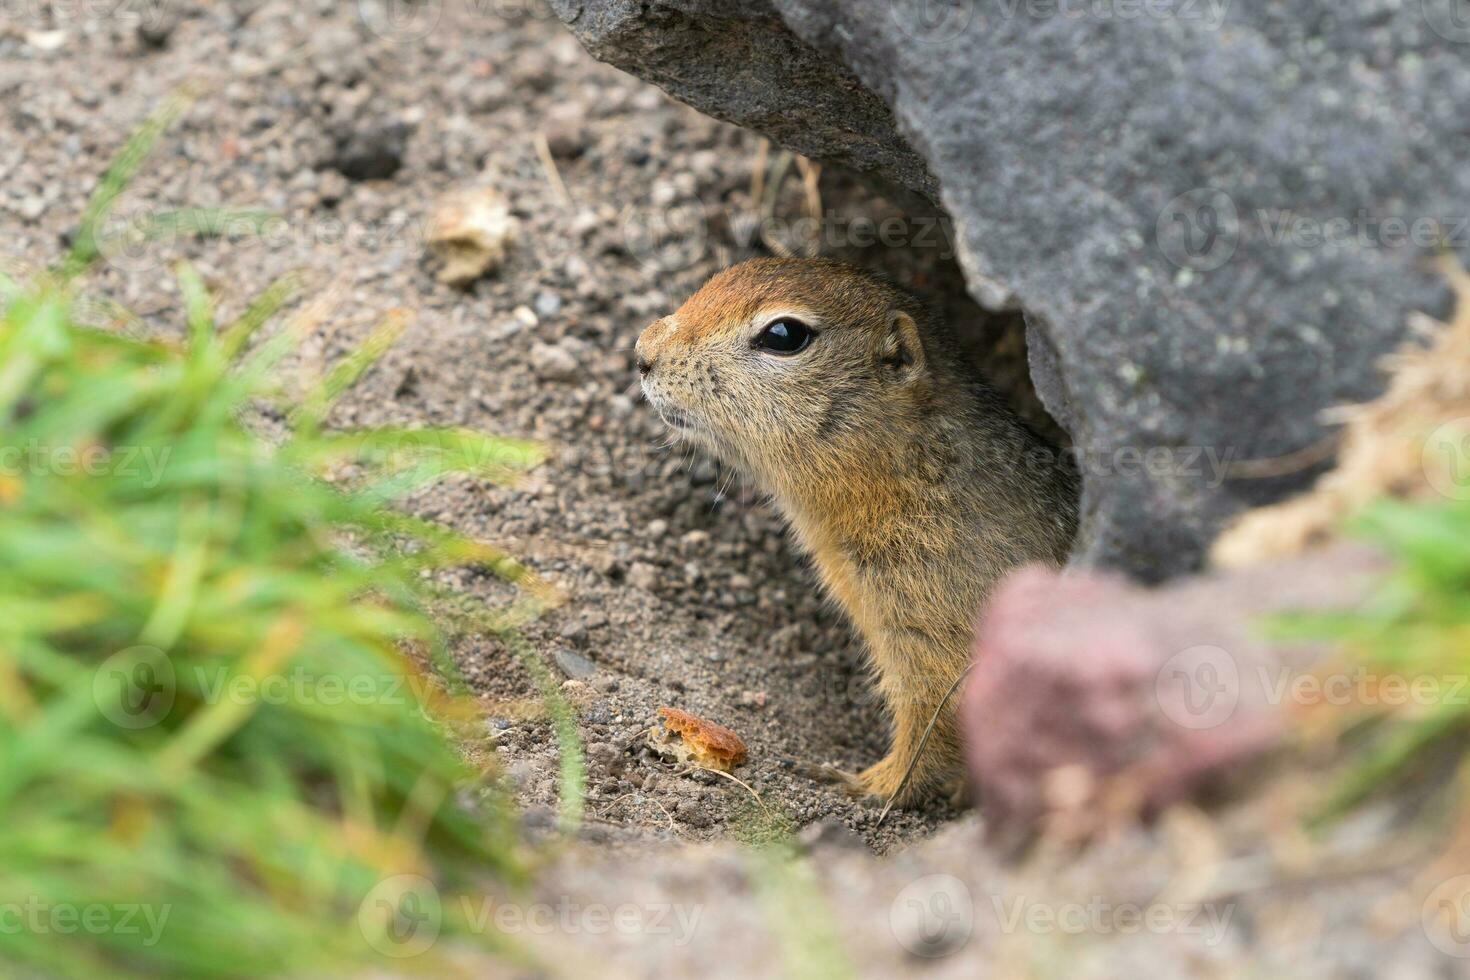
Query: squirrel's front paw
point(849, 782)
point(879, 781)
point(826, 772)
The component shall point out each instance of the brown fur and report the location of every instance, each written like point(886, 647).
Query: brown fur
point(907, 479)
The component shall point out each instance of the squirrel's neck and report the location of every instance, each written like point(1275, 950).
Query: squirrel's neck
point(901, 482)
point(955, 472)
point(911, 526)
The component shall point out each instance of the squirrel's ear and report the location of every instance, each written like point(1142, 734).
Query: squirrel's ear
point(901, 353)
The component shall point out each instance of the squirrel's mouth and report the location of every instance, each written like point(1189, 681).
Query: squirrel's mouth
point(676, 418)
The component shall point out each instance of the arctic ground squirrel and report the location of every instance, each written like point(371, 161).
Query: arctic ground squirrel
point(908, 480)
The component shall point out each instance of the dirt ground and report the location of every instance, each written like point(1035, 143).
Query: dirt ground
point(349, 125)
point(682, 589)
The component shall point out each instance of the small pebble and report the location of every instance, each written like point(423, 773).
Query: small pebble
point(552, 362)
point(573, 664)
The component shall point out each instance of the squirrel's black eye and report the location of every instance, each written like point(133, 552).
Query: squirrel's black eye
point(784, 336)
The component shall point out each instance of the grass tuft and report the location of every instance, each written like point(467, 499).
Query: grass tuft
point(221, 740)
point(1410, 645)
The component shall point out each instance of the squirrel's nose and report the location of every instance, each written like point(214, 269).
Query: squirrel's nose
point(644, 366)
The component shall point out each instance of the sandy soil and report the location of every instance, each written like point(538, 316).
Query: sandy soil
point(682, 587)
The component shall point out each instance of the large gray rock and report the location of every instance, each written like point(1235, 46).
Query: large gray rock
point(1214, 215)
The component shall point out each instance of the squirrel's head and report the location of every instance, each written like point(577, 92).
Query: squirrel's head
point(785, 365)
